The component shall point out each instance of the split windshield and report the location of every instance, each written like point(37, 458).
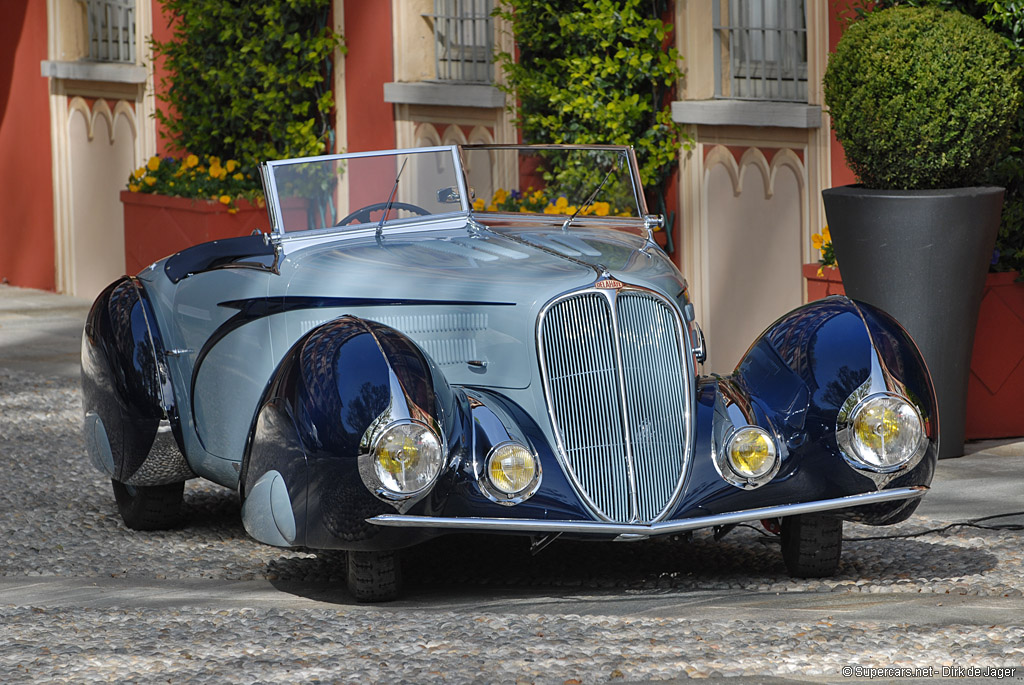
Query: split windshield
point(397, 187)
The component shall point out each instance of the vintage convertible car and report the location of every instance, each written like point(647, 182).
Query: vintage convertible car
point(487, 338)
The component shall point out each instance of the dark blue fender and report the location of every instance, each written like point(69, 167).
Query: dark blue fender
point(132, 429)
point(793, 380)
point(300, 478)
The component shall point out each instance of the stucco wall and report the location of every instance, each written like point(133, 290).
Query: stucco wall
point(26, 186)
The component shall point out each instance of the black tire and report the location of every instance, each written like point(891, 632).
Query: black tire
point(811, 545)
point(154, 507)
point(374, 576)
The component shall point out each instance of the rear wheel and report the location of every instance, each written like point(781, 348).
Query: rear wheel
point(374, 576)
point(811, 545)
point(151, 507)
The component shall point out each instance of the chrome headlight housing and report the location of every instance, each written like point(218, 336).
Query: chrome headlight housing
point(883, 432)
point(749, 457)
point(407, 456)
point(511, 473)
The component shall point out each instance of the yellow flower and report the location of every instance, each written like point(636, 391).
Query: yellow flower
point(238, 176)
point(551, 209)
point(233, 210)
point(825, 235)
point(816, 241)
point(478, 204)
point(215, 171)
point(153, 164)
point(821, 271)
point(133, 187)
point(500, 196)
point(231, 165)
point(191, 161)
point(214, 161)
point(492, 207)
point(150, 181)
point(225, 199)
point(562, 202)
point(602, 208)
point(140, 172)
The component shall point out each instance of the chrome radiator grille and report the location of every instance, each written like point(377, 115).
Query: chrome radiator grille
point(616, 386)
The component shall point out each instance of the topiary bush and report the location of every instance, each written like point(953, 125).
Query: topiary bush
point(921, 98)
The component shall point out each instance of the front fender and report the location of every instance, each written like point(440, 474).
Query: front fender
point(300, 478)
point(793, 381)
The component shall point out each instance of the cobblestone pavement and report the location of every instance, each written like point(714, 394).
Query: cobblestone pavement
point(84, 599)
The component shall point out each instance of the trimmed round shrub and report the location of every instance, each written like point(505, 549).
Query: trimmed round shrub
point(922, 98)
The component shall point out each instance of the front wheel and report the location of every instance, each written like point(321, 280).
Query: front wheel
point(152, 507)
point(374, 576)
point(811, 545)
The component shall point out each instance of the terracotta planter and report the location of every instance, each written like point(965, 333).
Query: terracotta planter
point(995, 389)
point(828, 283)
point(156, 226)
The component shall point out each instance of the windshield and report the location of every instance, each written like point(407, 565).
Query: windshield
point(554, 180)
point(369, 188)
point(560, 184)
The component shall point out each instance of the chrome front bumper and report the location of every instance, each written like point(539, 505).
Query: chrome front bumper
point(635, 531)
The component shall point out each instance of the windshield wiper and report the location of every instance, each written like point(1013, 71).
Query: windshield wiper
point(590, 199)
point(391, 199)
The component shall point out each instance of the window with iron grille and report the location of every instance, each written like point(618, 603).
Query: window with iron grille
point(111, 25)
point(760, 50)
point(463, 41)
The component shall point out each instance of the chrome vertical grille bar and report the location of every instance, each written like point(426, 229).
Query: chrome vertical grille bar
point(656, 388)
point(582, 378)
point(617, 387)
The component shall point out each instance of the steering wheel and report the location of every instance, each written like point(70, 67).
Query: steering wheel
point(362, 215)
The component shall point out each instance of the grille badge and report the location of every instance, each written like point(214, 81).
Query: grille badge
point(609, 284)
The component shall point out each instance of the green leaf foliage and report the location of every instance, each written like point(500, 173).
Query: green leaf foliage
point(249, 80)
point(595, 71)
point(922, 98)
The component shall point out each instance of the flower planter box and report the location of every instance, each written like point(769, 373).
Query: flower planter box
point(995, 388)
point(156, 226)
point(828, 283)
point(995, 391)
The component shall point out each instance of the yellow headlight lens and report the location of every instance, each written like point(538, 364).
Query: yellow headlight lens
point(407, 457)
point(751, 452)
point(511, 468)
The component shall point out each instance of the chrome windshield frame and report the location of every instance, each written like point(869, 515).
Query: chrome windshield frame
point(268, 174)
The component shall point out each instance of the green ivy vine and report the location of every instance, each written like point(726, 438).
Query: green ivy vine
point(249, 81)
point(596, 71)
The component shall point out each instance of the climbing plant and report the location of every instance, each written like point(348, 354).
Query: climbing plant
point(249, 81)
point(596, 71)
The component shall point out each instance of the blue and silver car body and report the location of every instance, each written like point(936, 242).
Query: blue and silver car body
point(371, 382)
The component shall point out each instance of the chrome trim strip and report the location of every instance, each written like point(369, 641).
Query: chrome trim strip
point(645, 530)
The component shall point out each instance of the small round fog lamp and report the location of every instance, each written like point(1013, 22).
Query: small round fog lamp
point(751, 452)
point(407, 457)
point(511, 468)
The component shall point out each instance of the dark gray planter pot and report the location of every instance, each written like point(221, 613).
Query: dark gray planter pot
point(922, 256)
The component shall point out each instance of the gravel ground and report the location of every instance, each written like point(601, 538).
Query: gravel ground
point(62, 522)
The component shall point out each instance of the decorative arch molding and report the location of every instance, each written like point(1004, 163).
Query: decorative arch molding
point(753, 157)
point(453, 135)
point(426, 135)
point(101, 109)
point(480, 135)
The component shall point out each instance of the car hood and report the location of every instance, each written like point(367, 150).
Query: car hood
point(526, 265)
point(471, 301)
